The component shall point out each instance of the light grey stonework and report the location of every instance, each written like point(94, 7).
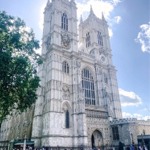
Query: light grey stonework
point(130, 129)
point(62, 89)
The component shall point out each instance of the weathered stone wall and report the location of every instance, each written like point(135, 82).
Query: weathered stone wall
point(99, 124)
point(17, 127)
point(61, 91)
point(143, 127)
point(129, 129)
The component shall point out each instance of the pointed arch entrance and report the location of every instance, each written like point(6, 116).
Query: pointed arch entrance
point(96, 139)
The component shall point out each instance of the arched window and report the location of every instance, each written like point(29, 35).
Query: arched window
point(65, 67)
point(88, 87)
point(104, 93)
point(100, 38)
point(92, 52)
point(115, 133)
point(88, 40)
point(105, 78)
point(67, 120)
point(64, 22)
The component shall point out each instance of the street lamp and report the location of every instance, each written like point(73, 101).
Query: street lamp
point(24, 144)
point(143, 143)
point(25, 138)
point(131, 137)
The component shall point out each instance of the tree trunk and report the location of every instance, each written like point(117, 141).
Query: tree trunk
point(0, 124)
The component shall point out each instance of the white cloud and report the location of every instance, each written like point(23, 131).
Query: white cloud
point(143, 37)
point(135, 115)
point(117, 19)
point(39, 51)
point(98, 6)
point(116, 2)
point(110, 32)
point(41, 19)
point(129, 98)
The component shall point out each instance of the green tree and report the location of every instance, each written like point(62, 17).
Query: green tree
point(18, 66)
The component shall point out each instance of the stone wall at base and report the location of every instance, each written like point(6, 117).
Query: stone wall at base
point(129, 129)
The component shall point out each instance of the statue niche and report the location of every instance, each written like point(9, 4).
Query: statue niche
point(66, 92)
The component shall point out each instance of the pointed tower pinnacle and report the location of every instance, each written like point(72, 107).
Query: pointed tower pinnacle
point(81, 20)
point(103, 18)
point(91, 10)
point(48, 2)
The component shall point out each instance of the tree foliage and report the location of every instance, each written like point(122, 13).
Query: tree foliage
point(18, 66)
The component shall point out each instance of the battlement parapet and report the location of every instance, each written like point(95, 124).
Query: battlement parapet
point(123, 121)
point(144, 122)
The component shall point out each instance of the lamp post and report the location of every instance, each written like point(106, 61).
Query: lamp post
point(25, 138)
point(131, 137)
point(11, 145)
point(143, 143)
point(24, 144)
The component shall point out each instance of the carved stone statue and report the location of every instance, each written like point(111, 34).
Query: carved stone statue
point(66, 92)
point(65, 40)
point(48, 42)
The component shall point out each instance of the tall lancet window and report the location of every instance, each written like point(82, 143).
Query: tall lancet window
point(115, 133)
point(64, 22)
point(88, 87)
point(67, 125)
point(65, 67)
point(100, 38)
point(88, 40)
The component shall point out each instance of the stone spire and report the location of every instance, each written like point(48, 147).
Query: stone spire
point(48, 2)
point(81, 20)
point(103, 18)
point(91, 10)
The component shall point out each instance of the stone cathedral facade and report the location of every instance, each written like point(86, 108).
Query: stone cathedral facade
point(78, 102)
point(79, 91)
point(79, 94)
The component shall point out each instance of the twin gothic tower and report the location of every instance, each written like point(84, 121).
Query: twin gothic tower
point(79, 92)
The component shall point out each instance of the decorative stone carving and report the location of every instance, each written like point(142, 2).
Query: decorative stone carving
point(96, 114)
point(66, 92)
point(104, 93)
point(65, 40)
point(105, 78)
point(78, 63)
point(48, 42)
point(103, 59)
point(59, 92)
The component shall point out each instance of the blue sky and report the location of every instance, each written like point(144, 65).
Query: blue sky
point(129, 28)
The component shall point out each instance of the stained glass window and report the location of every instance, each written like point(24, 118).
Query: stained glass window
point(88, 87)
point(64, 22)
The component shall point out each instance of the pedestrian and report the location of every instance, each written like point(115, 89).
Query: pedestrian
point(128, 147)
point(132, 147)
point(144, 147)
point(121, 145)
point(140, 147)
